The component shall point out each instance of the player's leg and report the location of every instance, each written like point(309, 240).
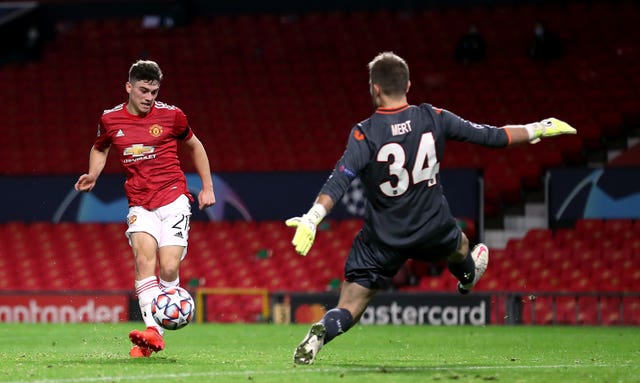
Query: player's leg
point(467, 267)
point(142, 226)
point(170, 226)
point(173, 240)
point(170, 257)
point(354, 299)
point(459, 263)
point(368, 268)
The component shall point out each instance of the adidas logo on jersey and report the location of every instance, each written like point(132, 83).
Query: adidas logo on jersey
point(120, 133)
point(179, 234)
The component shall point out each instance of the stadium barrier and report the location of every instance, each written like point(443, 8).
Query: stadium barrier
point(395, 308)
point(568, 308)
point(425, 308)
point(203, 304)
point(67, 307)
point(253, 305)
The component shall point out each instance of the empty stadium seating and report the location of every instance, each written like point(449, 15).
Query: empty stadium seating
point(86, 257)
point(66, 256)
point(596, 257)
point(259, 87)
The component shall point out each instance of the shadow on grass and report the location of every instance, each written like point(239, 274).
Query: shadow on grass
point(102, 359)
point(389, 368)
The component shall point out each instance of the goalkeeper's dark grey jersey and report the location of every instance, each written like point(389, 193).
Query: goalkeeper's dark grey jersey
point(397, 155)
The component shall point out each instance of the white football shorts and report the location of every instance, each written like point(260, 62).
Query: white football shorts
point(168, 224)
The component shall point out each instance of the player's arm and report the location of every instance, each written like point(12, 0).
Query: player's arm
point(548, 127)
point(97, 161)
point(206, 197)
point(354, 158)
point(326, 201)
point(532, 133)
point(306, 224)
point(488, 135)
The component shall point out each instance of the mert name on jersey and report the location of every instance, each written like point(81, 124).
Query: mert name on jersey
point(401, 128)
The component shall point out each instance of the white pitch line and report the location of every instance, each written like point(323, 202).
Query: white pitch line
point(306, 370)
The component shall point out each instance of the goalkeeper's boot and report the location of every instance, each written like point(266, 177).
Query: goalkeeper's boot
point(149, 338)
point(140, 352)
point(480, 254)
point(309, 347)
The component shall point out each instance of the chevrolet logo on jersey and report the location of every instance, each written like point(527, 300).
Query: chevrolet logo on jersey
point(138, 150)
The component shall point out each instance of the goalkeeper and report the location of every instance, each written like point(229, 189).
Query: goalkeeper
point(397, 153)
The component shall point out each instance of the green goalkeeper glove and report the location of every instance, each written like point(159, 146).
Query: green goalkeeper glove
point(547, 128)
point(306, 228)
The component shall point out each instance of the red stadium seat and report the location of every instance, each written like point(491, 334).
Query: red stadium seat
point(564, 237)
point(566, 310)
point(538, 311)
point(535, 236)
point(588, 226)
point(611, 310)
point(618, 227)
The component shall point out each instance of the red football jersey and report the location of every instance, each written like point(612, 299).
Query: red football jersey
point(148, 149)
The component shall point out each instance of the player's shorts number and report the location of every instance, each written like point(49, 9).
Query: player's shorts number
point(426, 156)
point(182, 223)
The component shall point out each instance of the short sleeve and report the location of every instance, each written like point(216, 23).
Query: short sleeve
point(103, 139)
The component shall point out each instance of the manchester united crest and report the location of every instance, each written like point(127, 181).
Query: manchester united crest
point(132, 219)
point(155, 130)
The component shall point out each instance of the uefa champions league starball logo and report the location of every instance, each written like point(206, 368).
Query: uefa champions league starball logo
point(354, 199)
point(600, 194)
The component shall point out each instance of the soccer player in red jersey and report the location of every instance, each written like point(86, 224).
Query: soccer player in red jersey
point(397, 154)
point(145, 134)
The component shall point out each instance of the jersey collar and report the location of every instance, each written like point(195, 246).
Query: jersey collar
point(392, 110)
point(126, 111)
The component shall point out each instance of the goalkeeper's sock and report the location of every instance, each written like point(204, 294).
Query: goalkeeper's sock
point(165, 284)
point(336, 322)
point(146, 290)
point(465, 271)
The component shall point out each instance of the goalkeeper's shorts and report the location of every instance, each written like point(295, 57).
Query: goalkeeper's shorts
point(373, 265)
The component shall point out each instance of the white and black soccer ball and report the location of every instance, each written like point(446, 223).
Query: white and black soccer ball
point(354, 199)
point(173, 308)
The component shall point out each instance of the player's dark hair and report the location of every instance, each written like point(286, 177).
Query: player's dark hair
point(390, 72)
point(145, 70)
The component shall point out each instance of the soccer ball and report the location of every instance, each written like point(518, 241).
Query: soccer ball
point(173, 308)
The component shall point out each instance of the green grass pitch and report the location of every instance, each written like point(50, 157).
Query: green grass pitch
point(76, 353)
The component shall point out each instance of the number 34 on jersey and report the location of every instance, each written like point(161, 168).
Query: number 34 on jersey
point(424, 168)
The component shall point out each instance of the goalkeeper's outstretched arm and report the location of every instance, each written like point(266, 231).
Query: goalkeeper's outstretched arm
point(532, 133)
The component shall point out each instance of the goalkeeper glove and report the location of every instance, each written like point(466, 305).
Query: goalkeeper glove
point(306, 228)
point(547, 128)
